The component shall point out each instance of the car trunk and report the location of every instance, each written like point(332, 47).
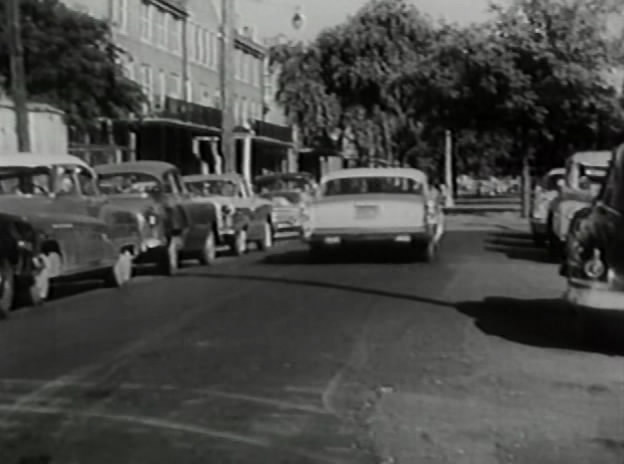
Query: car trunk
point(369, 211)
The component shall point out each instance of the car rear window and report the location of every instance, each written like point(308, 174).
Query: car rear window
point(363, 185)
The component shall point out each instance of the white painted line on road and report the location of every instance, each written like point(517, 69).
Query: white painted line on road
point(172, 426)
point(49, 388)
point(206, 392)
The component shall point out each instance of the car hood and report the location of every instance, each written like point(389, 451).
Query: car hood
point(384, 210)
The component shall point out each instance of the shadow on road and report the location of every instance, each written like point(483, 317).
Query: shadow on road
point(367, 255)
point(545, 323)
point(517, 246)
point(328, 285)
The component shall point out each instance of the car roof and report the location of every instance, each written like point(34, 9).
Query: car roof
point(593, 158)
point(233, 176)
point(155, 168)
point(33, 160)
point(410, 173)
point(556, 172)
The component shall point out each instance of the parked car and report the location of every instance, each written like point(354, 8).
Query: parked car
point(584, 174)
point(545, 191)
point(174, 226)
point(54, 224)
point(594, 264)
point(291, 195)
point(383, 205)
point(244, 217)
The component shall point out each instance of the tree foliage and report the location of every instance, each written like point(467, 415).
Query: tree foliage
point(532, 81)
point(71, 62)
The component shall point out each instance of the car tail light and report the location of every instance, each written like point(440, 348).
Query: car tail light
point(595, 268)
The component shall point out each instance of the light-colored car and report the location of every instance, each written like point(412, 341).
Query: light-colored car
point(174, 226)
point(594, 261)
point(545, 191)
point(56, 224)
point(243, 216)
point(376, 205)
point(291, 195)
point(585, 172)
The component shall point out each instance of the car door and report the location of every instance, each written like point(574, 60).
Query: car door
point(113, 228)
point(76, 232)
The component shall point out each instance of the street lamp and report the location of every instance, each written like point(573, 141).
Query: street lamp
point(298, 19)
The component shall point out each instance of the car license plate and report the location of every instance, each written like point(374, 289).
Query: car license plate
point(366, 212)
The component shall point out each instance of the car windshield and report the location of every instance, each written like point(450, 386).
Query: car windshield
point(591, 178)
point(282, 184)
point(25, 181)
point(214, 187)
point(369, 184)
point(552, 180)
point(125, 183)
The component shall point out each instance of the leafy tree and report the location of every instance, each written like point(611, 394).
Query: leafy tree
point(339, 82)
point(71, 62)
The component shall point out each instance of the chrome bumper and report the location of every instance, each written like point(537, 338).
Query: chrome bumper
point(595, 295)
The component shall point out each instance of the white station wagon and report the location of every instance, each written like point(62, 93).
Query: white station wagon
point(375, 205)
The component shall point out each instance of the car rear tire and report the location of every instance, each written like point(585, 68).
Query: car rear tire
point(239, 244)
point(208, 254)
point(121, 272)
point(39, 289)
point(266, 242)
point(7, 288)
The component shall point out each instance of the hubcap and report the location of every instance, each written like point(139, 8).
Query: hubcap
point(268, 236)
point(241, 244)
point(210, 248)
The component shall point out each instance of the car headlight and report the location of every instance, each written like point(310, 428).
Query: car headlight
point(151, 218)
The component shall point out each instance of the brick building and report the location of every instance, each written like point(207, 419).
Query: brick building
point(172, 49)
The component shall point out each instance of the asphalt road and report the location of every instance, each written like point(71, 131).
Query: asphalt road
point(271, 358)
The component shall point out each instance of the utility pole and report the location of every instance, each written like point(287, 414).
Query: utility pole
point(18, 75)
point(228, 148)
point(448, 168)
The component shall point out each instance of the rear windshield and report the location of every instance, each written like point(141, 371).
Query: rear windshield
point(363, 185)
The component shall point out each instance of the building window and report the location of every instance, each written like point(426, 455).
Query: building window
point(129, 69)
point(120, 14)
point(188, 90)
point(160, 28)
point(216, 50)
point(198, 44)
point(175, 35)
point(146, 21)
point(244, 111)
point(205, 47)
point(146, 80)
point(236, 110)
point(204, 93)
point(175, 86)
point(190, 40)
point(243, 59)
point(217, 100)
point(162, 86)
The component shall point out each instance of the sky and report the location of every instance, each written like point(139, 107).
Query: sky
point(272, 17)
